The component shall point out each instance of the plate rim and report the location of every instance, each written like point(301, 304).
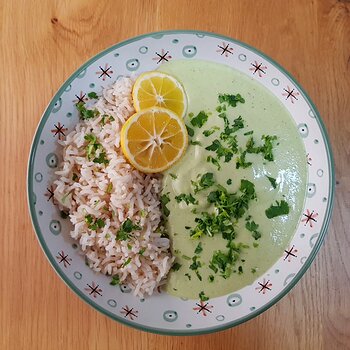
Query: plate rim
point(77, 291)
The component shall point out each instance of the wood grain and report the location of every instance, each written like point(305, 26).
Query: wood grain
point(43, 42)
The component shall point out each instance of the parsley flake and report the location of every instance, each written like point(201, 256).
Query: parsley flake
point(200, 119)
point(281, 208)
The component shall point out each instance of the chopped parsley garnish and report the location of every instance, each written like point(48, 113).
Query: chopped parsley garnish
point(92, 94)
point(229, 182)
point(229, 206)
point(125, 230)
point(93, 223)
point(199, 248)
point(187, 198)
point(255, 245)
point(106, 117)
point(253, 270)
point(211, 278)
point(143, 213)
point(224, 262)
point(186, 257)
point(164, 200)
point(115, 280)
point(241, 161)
point(109, 188)
point(210, 131)
point(253, 228)
point(265, 149)
point(188, 276)
point(202, 296)
point(75, 177)
point(214, 161)
point(85, 113)
point(195, 143)
point(173, 176)
point(198, 275)
point(176, 266)
point(220, 150)
point(240, 270)
point(204, 182)
point(141, 251)
point(248, 133)
point(231, 100)
point(127, 262)
point(200, 119)
point(196, 264)
point(272, 181)
point(190, 131)
point(94, 150)
point(281, 208)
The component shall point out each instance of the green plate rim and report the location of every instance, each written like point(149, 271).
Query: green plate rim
point(84, 297)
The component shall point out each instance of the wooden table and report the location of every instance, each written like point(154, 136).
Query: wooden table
point(43, 42)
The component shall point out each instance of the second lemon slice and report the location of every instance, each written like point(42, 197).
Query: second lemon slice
point(153, 139)
point(156, 89)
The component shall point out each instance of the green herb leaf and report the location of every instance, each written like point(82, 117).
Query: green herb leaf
point(253, 228)
point(210, 131)
point(202, 296)
point(164, 200)
point(211, 278)
point(231, 100)
point(248, 133)
point(206, 181)
point(127, 262)
point(195, 143)
point(281, 208)
point(188, 276)
point(92, 94)
point(173, 176)
point(187, 198)
point(141, 251)
point(199, 248)
point(214, 161)
point(200, 119)
point(115, 280)
point(176, 266)
point(196, 264)
point(75, 177)
point(272, 181)
point(241, 161)
point(85, 113)
point(229, 182)
point(190, 131)
point(125, 230)
point(109, 188)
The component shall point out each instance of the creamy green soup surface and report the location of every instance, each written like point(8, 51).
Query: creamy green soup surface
point(262, 113)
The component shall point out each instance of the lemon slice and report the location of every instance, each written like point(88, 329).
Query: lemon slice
point(156, 89)
point(153, 139)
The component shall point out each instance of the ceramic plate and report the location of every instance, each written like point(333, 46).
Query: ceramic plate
point(163, 313)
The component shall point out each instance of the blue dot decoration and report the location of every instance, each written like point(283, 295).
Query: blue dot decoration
point(124, 288)
point(242, 57)
point(311, 190)
point(234, 300)
point(57, 106)
point(143, 49)
point(77, 275)
point(170, 316)
point(111, 302)
point(189, 51)
point(38, 177)
point(275, 81)
point(303, 130)
point(132, 64)
point(55, 227)
point(52, 160)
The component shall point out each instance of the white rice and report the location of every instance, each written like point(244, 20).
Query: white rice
point(135, 196)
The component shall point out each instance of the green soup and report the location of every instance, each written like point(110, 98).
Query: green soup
point(263, 114)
